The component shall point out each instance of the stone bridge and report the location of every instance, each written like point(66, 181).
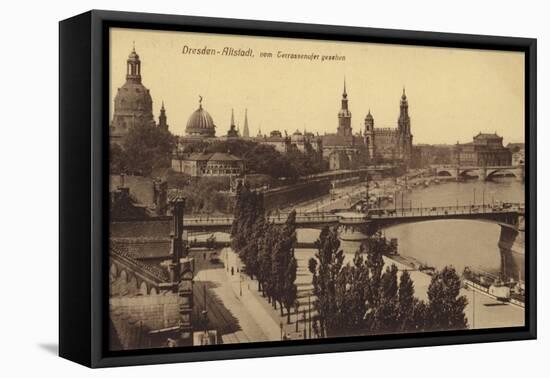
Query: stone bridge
point(375, 219)
point(484, 173)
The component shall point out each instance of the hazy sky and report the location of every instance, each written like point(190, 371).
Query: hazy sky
point(453, 93)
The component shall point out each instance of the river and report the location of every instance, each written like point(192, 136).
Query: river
point(451, 242)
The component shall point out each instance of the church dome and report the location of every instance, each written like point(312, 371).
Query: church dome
point(133, 104)
point(200, 123)
point(133, 97)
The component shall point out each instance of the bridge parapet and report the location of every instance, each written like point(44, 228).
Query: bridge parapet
point(500, 214)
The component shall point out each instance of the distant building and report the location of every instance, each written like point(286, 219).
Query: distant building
point(133, 104)
point(518, 153)
point(208, 164)
point(275, 139)
point(484, 150)
point(425, 155)
point(150, 283)
point(391, 143)
point(378, 144)
point(137, 197)
point(232, 133)
point(340, 148)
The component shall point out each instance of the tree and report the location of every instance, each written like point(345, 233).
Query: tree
point(446, 305)
point(247, 229)
point(375, 266)
point(288, 264)
point(266, 237)
point(147, 147)
point(386, 314)
point(407, 304)
point(351, 296)
point(325, 272)
point(117, 159)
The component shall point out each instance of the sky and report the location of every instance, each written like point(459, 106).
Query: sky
point(453, 93)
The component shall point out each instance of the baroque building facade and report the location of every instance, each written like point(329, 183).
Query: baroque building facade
point(484, 150)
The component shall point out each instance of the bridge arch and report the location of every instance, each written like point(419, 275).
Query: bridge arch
point(464, 172)
point(493, 172)
point(143, 290)
point(123, 276)
point(444, 173)
point(132, 282)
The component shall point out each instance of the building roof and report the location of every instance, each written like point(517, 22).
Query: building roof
point(216, 156)
point(144, 248)
point(145, 228)
point(487, 136)
point(123, 250)
point(516, 145)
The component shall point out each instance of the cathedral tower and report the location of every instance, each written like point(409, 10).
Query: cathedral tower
point(344, 116)
point(163, 124)
point(369, 135)
point(404, 131)
point(404, 122)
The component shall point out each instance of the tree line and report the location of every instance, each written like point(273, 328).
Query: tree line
point(145, 148)
point(363, 298)
point(266, 249)
point(358, 298)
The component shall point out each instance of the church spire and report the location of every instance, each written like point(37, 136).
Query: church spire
point(345, 94)
point(344, 115)
point(404, 122)
point(232, 118)
point(162, 118)
point(246, 132)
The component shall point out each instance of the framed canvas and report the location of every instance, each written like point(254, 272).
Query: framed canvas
point(234, 188)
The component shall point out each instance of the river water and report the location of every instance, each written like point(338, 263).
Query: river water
point(450, 242)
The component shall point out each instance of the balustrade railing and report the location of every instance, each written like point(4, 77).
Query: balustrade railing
point(322, 217)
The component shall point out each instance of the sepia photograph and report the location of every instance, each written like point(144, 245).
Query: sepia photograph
point(268, 189)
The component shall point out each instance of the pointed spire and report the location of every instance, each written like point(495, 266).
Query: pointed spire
point(133, 46)
point(246, 132)
point(345, 94)
point(162, 117)
point(232, 118)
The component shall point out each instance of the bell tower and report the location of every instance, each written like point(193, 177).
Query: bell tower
point(344, 116)
point(133, 67)
point(369, 135)
point(163, 124)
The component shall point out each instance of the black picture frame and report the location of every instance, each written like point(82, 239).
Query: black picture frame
point(83, 196)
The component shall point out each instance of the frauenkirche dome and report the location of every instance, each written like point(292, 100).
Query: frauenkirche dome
point(133, 102)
